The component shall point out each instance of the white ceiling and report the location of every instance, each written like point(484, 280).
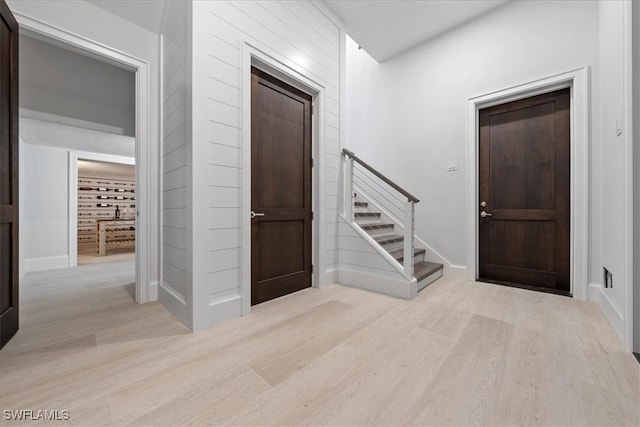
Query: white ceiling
point(144, 13)
point(385, 28)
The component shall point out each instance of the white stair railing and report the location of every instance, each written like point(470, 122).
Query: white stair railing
point(399, 202)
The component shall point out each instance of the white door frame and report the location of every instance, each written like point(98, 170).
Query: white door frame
point(290, 73)
point(578, 81)
point(141, 68)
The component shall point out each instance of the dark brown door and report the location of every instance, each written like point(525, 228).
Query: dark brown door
point(524, 193)
point(280, 188)
point(8, 175)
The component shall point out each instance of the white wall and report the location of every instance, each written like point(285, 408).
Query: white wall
point(44, 199)
point(176, 285)
point(89, 21)
point(298, 34)
point(45, 206)
point(407, 116)
point(636, 169)
point(63, 83)
point(613, 153)
point(76, 138)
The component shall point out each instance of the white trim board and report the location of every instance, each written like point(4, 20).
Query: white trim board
point(272, 62)
point(610, 309)
point(141, 68)
point(349, 276)
point(627, 120)
point(45, 263)
point(578, 81)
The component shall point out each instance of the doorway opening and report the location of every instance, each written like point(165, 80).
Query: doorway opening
point(133, 146)
point(106, 221)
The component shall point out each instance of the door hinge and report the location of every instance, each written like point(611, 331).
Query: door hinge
point(312, 109)
point(311, 215)
point(311, 268)
point(312, 162)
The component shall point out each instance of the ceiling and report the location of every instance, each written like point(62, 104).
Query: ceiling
point(385, 28)
point(144, 13)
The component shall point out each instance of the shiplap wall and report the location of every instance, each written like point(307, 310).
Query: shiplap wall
point(300, 32)
point(175, 150)
point(358, 256)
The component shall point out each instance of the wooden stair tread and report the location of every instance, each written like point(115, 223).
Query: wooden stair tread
point(398, 254)
point(424, 269)
point(367, 214)
point(377, 226)
point(388, 238)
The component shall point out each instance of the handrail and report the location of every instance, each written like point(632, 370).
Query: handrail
point(392, 184)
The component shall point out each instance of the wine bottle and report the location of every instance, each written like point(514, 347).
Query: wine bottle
point(117, 212)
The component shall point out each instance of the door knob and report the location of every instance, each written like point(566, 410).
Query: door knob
point(483, 214)
point(255, 214)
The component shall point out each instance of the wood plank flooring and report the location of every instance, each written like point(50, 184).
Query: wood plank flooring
point(461, 353)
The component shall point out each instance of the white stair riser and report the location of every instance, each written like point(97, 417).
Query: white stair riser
point(429, 280)
point(416, 259)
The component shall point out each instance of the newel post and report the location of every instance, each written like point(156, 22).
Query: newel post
point(408, 238)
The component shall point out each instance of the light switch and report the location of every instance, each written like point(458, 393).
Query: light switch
point(452, 165)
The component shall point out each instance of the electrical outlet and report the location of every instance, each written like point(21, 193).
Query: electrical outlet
point(452, 165)
point(607, 278)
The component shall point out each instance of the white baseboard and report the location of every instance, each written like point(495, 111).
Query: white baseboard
point(152, 292)
point(331, 276)
point(175, 303)
point(609, 307)
point(384, 285)
point(456, 272)
point(224, 308)
point(46, 263)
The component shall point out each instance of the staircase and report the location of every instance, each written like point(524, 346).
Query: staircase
point(383, 232)
point(383, 214)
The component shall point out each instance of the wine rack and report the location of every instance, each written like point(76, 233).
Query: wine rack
point(115, 235)
point(98, 198)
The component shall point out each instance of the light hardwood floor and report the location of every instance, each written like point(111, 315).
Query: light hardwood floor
point(459, 354)
point(94, 259)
